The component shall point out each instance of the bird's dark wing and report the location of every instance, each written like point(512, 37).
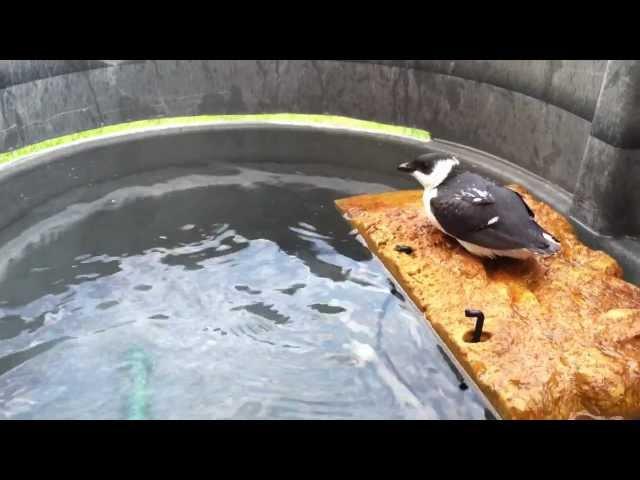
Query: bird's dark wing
point(500, 221)
point(531, 214)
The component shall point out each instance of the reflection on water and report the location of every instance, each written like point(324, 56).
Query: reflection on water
point(233, 292)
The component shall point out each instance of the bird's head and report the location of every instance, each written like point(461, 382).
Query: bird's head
point(431, 169)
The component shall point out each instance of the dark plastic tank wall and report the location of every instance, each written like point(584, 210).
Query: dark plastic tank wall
point(571, 122)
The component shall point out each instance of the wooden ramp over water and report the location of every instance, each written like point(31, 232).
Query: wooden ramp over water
point(561, 335)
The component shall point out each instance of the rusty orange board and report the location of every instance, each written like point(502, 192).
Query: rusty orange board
point(561, 334)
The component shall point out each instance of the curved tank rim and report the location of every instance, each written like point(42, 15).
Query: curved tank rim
point(198, 122)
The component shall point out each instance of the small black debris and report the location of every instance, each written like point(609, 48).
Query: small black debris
point(394, 291)
point(463, 386)
point(404, 249)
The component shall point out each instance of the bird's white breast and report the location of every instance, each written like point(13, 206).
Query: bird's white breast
point(426, 200)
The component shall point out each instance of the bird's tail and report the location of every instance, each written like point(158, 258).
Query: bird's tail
point(548, 245)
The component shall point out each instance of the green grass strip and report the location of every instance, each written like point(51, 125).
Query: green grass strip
point(293, 118)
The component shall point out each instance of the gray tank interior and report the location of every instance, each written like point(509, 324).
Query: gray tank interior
point(565, 129)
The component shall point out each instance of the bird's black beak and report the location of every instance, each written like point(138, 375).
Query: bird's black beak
point(406, 167)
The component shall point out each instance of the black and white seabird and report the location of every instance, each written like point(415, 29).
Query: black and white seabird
point(488, 220)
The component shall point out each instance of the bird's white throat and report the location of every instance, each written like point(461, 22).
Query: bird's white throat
point(439, 174)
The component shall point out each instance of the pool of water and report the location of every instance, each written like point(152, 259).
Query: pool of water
point(218, 292)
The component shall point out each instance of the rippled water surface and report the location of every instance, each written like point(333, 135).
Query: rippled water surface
point(219, 292)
